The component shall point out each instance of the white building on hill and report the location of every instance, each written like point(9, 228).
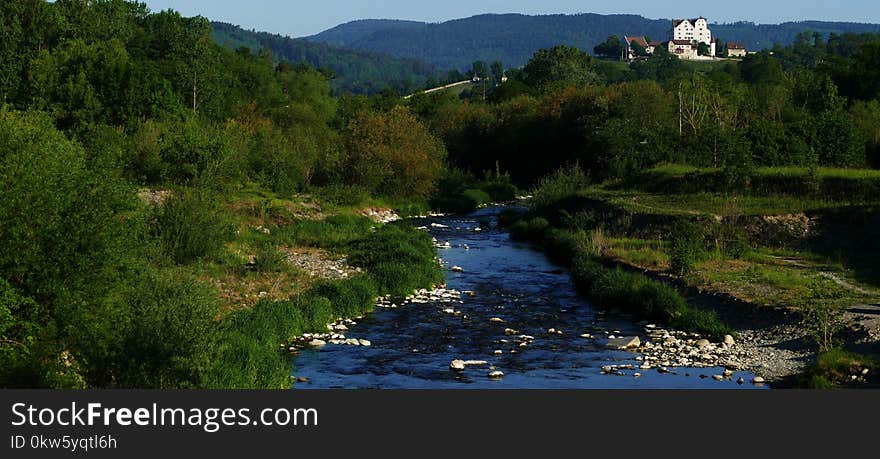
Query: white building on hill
point(693, 30)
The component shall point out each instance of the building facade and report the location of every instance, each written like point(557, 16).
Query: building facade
point(736, 49)
point(693, 30)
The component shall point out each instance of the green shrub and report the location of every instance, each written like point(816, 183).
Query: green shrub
point(686, 246)
point(565, 182)
point(350, 297)
point(399, 257)
point(162, 334)
point(333, 232)
point(499, 187)
point(268, 259)
point(29, 351)
point(61, 221)
point(191, 226)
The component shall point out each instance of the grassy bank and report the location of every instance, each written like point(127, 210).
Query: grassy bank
point(396, 260)
point(611, 287)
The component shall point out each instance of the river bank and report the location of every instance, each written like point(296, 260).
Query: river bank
point(507, 318)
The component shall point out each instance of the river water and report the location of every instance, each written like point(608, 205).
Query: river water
point(412, 346)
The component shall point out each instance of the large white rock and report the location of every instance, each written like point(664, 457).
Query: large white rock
point(627, 342)
point(457, 365)
point(317, 343)
point(728, 340)
point(496, 374)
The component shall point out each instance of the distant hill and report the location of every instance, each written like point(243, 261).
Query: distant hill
point(357, 71)
point(513, 38)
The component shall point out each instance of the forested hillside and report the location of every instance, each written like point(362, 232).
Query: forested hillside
point(359, 72)
point(513, 38)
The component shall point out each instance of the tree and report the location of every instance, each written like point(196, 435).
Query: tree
point(392, 154)
point(703, 49)
point(497, 71)
point(480, 69)
point(560, 65)
point(611, 48)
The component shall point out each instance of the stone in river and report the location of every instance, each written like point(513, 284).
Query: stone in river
point(499, 352)
point(740, 381)
point(365, 342)
point(457, 269)
point(758, 380)
point(497, 320)
point(457, 365)
point(718, 377)
point(496, 375)
point(624, 342)
point(728, 340)
point(728, 373)
point(317, 343)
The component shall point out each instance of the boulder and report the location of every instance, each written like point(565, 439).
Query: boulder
point(317, 343)
point(630, 342)
point(703, 343)
point(758, 380)
point(457, 365)
point(496, 320)
point(457, 269)
point(496, 375)
point(728, 340)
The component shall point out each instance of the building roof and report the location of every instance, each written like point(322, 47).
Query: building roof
point(677, 22)
point(640, 40)
point(683, 42)
point(735, 45)
point(656, 43)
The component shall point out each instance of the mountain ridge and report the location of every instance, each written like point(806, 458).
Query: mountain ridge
point(513, 37)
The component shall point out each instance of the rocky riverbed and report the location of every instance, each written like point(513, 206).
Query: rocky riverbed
point(508, 318)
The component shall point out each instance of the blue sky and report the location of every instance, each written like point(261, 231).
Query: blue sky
point(307, 17)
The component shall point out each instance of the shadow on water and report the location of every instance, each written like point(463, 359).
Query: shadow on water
point(412, 346)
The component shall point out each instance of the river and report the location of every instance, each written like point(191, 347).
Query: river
point(412, 346)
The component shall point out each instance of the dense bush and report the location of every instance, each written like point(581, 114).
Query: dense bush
point(191, 225)
point(687, 246)
point(163, 334)
point(401, 259)
point(350, 297)
point(60, 220)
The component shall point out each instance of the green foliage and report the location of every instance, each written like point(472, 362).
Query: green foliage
point(163, 334)
point(565, 182)
point(400, 258)
point(612, 47)
point(60, 219)
point(835, 368)
point(334, 232)
point(351, 297)
point(560, 66)
point(191, 225)
point(635, 293)
point(687, 246)
point(392, 154)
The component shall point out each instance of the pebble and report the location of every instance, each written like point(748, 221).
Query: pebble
point(365, 342)
point(496, 320)
point(457, 365)
point(498, 352)
point(718, 377)
point(758, 380)
point(496, 375)
point(457, 269)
